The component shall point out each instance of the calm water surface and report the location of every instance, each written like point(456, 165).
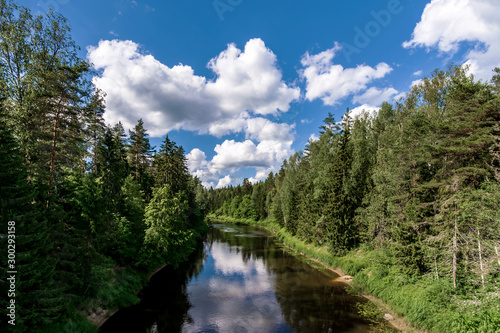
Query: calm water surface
point(241, 280)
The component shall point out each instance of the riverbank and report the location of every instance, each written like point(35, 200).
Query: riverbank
point(129, 293)
point(120, 290)
point(414, 304)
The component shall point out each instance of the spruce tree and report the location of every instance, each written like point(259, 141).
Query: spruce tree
point(38, 300)
point(339, 210)
point(139, 153)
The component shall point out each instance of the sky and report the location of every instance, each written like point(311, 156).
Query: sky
point(242, 84)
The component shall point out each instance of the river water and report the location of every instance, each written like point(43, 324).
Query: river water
point(242, 280)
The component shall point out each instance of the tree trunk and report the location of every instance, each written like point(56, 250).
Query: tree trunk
point(94, 154)
point(480, 256)
point(414, 179)
point(498, 255)
point(53, 152)
point(137, 165)
point(455, 254)
point(436, 267)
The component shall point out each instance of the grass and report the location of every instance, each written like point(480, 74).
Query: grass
point(425, 303)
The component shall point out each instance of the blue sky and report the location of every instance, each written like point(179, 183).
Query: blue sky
point(242, 84)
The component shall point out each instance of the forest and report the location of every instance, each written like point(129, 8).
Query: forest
point(406, 200)
point(92, 209)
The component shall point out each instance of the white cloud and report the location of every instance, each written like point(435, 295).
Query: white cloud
point(416, 82)
point(246, 86)
point(262, 173)
point(305, 121)
point(375, 96)
point(262, 129)
point(223, 127)
point(266, 156)
point(137, 85)
point(418, 73)
point(313, 138)
point(223, 182)
point(232, 154)
point(446, 23)
point(196, 159)
point(249, 80)
point(365, 108)
point(330, 82)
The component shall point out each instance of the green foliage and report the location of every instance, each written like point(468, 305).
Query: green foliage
point(409, 197)
point(37, 296)
point(76, 188)
point(483, 322)
point(167, 236)
point(413, 190)
point(139, 153)
point(246, 209)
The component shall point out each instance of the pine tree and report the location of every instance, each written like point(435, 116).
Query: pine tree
point(287, 189)
point(121, 143)
point(50, 107)
point(140, 157)
point(170, 166)
point(339, 210)
point(96, 126)
point(38, 300)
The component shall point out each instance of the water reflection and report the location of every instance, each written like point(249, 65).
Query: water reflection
point(241, 280)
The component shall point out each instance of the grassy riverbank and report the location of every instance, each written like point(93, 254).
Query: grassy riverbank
point(119, 289)
point(424, 302)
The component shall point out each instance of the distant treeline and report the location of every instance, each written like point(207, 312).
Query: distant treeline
point(420, 179)
point(92, 206)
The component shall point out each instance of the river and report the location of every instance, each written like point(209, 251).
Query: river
point(242, 280)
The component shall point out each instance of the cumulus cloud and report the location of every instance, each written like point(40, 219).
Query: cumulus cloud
point(446, 23)
point(196, 160)
point(247, 86)
point(232, 155)
point(331, 82)
point(267, 144)
point(313, 138)
point(249, 80)
point(262, 129)
point(416, 83)
point(137, 85)
point(223, 182)
point(375, 96)
point(365, 108)
point(263, 173)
